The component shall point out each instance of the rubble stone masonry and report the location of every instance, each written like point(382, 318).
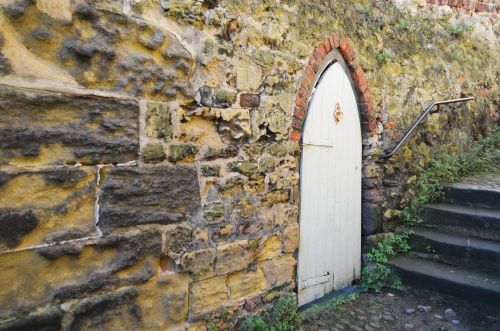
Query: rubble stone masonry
point(150, 149)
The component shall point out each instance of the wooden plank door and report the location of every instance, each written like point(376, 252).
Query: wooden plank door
point(330, 183)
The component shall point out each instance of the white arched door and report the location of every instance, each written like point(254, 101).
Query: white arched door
point(330, 181)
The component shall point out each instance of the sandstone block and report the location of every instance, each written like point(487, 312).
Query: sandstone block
point(181, 152)
point(371, 218)
point(235, 256)
point(214, 212)
point(200, 261)
point(223, 153)
point(279, 271)
point(58, 9)
point(62, 279)
point(224, 98)
point(159, 120)
point(235, 122)
point(46, 206)
point(246, 283)
point(210, 170)
point(171, 295)
point(176, 240)
point(291, 240)
point(246, 167)
point(132, 196)
point(278, 150)
point(54, 128)
point(271, 249)
point(208, 295)
point(153, 153)
point(248, 76)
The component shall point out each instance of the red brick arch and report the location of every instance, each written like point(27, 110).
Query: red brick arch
point(365, 98)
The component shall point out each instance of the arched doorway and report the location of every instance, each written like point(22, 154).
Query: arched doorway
point(329, 255)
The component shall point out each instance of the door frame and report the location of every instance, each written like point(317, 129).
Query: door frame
point(332, 50)
point(329, 60)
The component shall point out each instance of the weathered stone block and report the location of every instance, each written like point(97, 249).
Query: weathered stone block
point(371, 219)
point(62, 279)
point(279, 271)
point(224, 98)
point(113, 310)
point(235, 122)
point(235, 256)
point(200, 261)
point(208, 295)
point(248, 76)
point(214, 212)
point(224, 153)
point(246, 167)
point(165, 302)
point(246, 283)
point(159, 120)
point(291, 240)
point(153, 153)
point(46, 206)
point(272, 248)
point(210, 170)
point(181, 152)
point(55, 128)
point(132, 196)
point(277, 149)
point(176, 240)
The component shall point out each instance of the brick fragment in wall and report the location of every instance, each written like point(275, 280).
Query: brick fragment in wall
point(249, 100)
point(161, 195)
point(45, 206)
point(39, 128)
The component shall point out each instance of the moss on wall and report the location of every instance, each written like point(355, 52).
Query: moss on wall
point(152, 181)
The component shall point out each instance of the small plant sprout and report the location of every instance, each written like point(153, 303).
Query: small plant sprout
point(458, 29)
point(384, 56)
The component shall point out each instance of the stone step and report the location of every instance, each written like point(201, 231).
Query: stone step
point(455, 249)
point(482, 193)
point(467, 221)
point(450, 279)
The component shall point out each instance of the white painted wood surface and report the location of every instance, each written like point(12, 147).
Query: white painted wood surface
point(330, 182)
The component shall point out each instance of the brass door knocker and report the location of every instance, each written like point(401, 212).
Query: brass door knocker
point(339, 115)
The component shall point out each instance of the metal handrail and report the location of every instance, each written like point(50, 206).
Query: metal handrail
point(418, 120)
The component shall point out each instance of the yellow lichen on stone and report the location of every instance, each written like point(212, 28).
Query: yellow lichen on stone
point(246, 283)
point(54, 201)
point(26, 64)
point(279, 271)
point(291, 238)
point(208, 295)
point(272, 248)
point(58, 9)
point(165, 301)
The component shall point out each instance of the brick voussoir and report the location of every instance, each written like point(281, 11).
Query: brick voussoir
point(366, 101)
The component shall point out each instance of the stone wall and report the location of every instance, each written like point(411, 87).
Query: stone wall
point(149, 150)
point(492, 6)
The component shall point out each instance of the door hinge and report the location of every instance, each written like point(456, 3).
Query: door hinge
point(316, 281)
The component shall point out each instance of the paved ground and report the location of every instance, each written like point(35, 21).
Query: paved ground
point(411, 309)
